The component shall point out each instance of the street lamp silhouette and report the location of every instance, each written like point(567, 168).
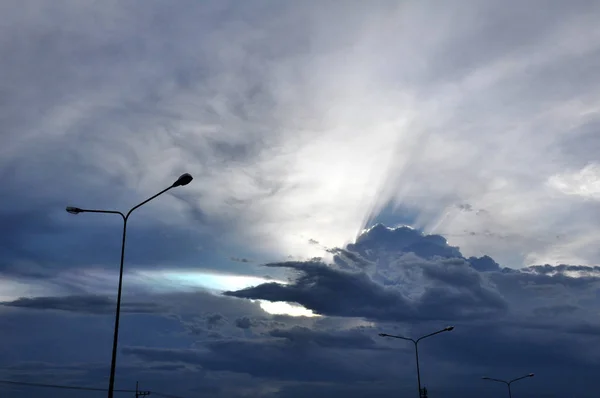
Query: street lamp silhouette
point(184, 179)
point(416, 343)
point(509, 382)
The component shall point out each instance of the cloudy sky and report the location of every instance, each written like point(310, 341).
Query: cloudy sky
point(359, 167)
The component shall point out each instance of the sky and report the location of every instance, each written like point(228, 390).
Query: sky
point(359, 168)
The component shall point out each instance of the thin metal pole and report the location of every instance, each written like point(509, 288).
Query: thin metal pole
point(509, 393)
point(184, 179)
point(418, 370)
point(113, 362)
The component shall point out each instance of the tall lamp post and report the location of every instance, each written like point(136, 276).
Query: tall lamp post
point(184, 179)
point(509, 382)
point(416, 343)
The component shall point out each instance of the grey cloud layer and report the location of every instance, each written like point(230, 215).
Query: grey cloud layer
point(83, 304)
point(507, 322)
point(381, 278)
point(250, 98)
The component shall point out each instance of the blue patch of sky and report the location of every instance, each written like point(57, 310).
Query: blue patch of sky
point(392, 216)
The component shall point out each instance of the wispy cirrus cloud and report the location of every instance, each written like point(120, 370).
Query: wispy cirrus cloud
point(312, 131)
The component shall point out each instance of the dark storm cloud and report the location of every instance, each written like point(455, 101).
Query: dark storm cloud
point(506, 322)
point(381, 239)
point(461, 292)
point(265, 323)
point(214, 320)
point(153, 377)
point(48, 370)
point(83, 304)
point(583, 270)
point(398, 286)
point(342, 256)
point(354, 339)
point(485, 263)
point(243, 322)
point(205, 306)
point(17, 229)
point(453, 290)
point(529, 279)
point(167, 367)
point(58, 341)
point(514, 349)
point(207, 325)
point(316, 289)
point(86, 243)
point(556, 310)
point(257, 357)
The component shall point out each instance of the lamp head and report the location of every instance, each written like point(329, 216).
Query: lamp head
point(73, 210)
point(449, 328)
point(184, 179)
point(383, 334)
point(531, 374)
point(485, 378)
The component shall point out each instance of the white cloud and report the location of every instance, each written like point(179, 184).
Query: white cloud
point(292, 123)
point(584, 183)
point(283, 308)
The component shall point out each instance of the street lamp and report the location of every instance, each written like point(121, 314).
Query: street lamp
point(184, 179)
point(509, 382)
point(416, 343)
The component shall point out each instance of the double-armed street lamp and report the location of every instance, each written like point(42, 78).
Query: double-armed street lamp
point(416, 343)
point(509, 382)
point(184, 179)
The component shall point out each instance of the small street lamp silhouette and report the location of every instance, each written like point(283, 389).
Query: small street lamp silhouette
point(509, 382)
point(416, 343)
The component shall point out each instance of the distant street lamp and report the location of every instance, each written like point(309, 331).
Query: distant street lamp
point(416, 343)
point(509, 382)
point(184, 179)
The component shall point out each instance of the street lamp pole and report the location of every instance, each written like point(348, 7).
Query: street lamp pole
point(416, 343)
point(184, 179)
point(509, 382)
